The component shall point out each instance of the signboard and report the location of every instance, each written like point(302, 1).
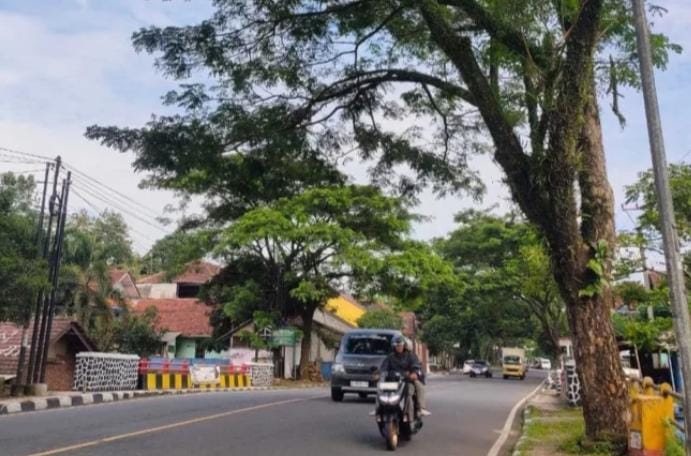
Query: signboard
point(285, 337)
point(205, 374)
point(246, 355)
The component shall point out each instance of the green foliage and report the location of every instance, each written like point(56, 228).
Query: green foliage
point(173, 252)
point(643, 193)
point(137, 334)
point(22, 272)
point(507, 294)
point(380, 318)
point(598, 271)
point(102, 239)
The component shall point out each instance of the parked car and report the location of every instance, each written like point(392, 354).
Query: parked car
point(545, 364)
point(481, 368)
point(468, 366)
point(357, 362)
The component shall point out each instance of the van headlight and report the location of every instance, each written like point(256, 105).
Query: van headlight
point(337, 368)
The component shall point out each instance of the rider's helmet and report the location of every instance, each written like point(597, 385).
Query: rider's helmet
point(398, 340)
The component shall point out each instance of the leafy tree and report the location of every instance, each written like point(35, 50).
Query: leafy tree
point(297, 75)
point(101, 239)
point(138, 334)
point(380, 318)
point(173, 252)
point(508, 282)
point(22, 272)
point(306, 246)
point(643, 193)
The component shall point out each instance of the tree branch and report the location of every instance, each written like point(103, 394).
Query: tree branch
point(508, 150)
point(501, 31)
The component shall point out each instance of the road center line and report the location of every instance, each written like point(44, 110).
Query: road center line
point(165, 427)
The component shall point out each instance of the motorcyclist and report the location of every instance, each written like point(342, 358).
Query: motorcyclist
point(407, 364)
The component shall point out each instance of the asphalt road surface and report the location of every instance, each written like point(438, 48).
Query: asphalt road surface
point(468, 415)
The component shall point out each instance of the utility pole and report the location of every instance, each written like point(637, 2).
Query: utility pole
point(675, 274)
point(39, 315)
point(57, 257)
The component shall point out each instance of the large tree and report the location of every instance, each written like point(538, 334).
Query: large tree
point(296, 75)
point(308, 246)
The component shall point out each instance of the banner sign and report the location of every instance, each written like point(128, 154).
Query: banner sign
point(205, 374)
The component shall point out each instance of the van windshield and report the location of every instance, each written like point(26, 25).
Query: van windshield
point(512, 360)
point(368, 344)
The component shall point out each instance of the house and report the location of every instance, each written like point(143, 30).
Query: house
point(67, 338)
point(122, 282)
point(184, 319)
point(185, 285)
point(186, 325)
point(346, 308)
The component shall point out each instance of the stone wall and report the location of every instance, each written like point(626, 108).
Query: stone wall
point(261, 374)
point(106, 372)
point(573, 386)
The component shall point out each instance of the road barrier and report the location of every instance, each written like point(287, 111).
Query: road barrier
point(652, 417)
point(180, 374)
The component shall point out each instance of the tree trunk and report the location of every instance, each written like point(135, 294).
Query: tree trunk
point(306, 345)
point(596, 353)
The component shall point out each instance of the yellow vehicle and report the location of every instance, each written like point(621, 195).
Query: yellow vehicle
point(513, 363)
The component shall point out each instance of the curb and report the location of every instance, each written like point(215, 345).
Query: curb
point(500, 443)
point(76, 400)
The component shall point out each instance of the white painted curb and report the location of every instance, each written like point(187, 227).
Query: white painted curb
point(494, 451)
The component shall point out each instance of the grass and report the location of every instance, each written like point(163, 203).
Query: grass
point(557, 432)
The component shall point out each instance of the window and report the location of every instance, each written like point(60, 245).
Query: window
point(188, 290)
point(368, 344)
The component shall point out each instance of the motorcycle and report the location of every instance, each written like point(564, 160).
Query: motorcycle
point(396, 413)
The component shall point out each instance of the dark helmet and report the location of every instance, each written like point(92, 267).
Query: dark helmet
point(398, 340)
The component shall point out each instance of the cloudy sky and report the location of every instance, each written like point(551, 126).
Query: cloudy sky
point(67, 64)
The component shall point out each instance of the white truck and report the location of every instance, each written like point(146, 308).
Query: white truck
point(513, 362)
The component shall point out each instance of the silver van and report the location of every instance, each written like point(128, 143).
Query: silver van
point(359, 356)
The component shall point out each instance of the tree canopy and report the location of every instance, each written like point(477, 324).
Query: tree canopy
point(380, 318)
point(420, 83)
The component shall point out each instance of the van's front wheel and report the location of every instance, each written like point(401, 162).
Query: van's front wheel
point(336, 394)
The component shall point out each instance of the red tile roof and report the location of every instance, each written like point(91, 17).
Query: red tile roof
point(196, 272)
point(152, 279)
point(11, 340)
point(189, 317)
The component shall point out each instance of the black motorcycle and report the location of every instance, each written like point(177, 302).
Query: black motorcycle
point(396, 413)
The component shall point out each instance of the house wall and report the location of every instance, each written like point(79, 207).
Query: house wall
point(60, 366)
point(158, 290)
point(318, 352)
point(185, 348)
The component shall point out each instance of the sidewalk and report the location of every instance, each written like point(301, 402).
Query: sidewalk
point(66, 399)
point(551, 428)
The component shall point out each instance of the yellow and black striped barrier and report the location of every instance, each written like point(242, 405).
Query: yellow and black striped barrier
point(164, 381)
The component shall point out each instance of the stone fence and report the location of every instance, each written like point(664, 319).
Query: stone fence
point(261, 374)
point(105, 372)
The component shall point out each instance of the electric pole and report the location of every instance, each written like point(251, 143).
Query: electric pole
point(675, 273)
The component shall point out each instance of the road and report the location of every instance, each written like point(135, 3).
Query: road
point(468, 415)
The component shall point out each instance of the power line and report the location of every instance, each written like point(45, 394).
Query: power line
point(110, 203)
point(96, 181)
point(27, 154)
point(99, 211)
point(116, 204)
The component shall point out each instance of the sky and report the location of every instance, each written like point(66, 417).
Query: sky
point(68, 64)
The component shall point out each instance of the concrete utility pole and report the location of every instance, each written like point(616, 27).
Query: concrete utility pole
point(675, 274)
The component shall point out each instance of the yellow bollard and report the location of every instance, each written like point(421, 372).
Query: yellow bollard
point(650, 414)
